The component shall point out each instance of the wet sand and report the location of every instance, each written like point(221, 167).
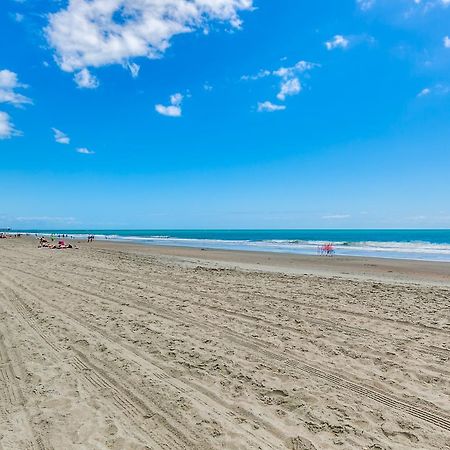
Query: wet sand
point(115, 346)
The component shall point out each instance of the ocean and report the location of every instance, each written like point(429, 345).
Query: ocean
point(432, 245)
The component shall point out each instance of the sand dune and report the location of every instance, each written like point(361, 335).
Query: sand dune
point(124, 347)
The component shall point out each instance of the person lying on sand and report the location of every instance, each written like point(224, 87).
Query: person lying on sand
point(61, 244)
point(43, 242)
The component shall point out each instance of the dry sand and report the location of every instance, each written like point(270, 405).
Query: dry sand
point(130, 347)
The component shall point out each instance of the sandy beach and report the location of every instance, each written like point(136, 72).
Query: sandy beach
point(115, 346)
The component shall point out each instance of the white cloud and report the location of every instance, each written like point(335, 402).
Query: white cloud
point(172, 110)
point(270, 107)
point(338, 41)
point(290, 86)
point(7, 129)
point(85, 79)
point(405, 7)
point(60, 137)
point(424, 92)
point(207, 87)
point(290, 82)
point(260, 74)
point(85, 151)
point(447, 42)
point(300, 67)
point(134, 69)
point(365, 5)
point(176, 99)
point(437, 89)
point(95, 33)
point(9, 82)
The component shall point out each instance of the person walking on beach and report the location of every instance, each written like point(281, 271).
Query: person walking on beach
point(327, 249)
point(330, 249)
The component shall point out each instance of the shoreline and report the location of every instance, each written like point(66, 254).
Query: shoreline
point(420, 246)
point(348, 267)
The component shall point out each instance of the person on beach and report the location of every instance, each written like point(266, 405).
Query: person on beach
point(327, 249)
point(62, 244)
point(43, 243)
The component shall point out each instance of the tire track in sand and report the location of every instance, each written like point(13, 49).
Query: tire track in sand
point(435, 351)
point(12, 400)
point(226, 288)
point(184, 388)
point(430, 350)
point(438, 419)
point(122, 398)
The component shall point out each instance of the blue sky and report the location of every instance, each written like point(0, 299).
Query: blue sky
point(225, 113)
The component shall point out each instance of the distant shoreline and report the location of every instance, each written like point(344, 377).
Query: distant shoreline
point(347, 267)
point(414, 245)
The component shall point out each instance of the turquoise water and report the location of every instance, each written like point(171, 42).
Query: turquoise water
point(403, 244)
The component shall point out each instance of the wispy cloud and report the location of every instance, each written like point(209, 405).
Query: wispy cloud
point(365, 5)
point(406, 8)
point(336, 216)
point(291, 71)
point(447, 42)
point(338, 41)
point(261, 74)
point(46, 219)
point(18, 17)
point(289, 86)
point(84, 79)
point(7, 129)
point(85, 151)
point(424, 92)
point(270, 107)
point(60, 137)
point(134, 69)
point(172, 110)
point(437, 89)
point(9, 83)
point(290, 83)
